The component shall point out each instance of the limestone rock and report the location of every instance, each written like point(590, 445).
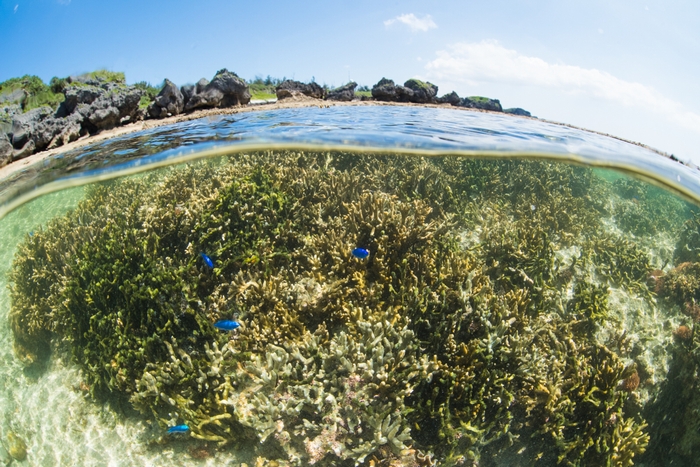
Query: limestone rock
point(6, 151)
point(423, 91)
point(344, 93)
point(225, 90)
point(169, 101)
point(23, 125)
point(484, 103)
point(289, 87)
point(451, 98)
point(518, 111)
point(386, 90)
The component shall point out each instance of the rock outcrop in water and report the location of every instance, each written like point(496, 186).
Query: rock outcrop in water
point(413, 90)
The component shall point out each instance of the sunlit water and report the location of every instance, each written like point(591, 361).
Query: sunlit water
point(512, 310)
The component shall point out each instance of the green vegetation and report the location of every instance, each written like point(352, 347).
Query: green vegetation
point(264, 88)
point(458, 340)
point(36, 92)
point(363, 91)
point(150, 92)
point(479, 99)
point(107, 76)
point(417, 83)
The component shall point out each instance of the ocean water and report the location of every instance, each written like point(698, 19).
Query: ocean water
point(412, 287)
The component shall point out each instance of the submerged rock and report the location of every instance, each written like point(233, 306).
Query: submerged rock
point(16, 446)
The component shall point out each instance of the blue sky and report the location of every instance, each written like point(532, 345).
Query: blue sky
point(625, 67)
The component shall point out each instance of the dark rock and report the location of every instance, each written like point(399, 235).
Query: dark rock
point(289, 87)
point(518, 111)
point(225, 90)
point(343, 93)
point(190, 90)
point(55, 131)
point(25, 151)
point(483, 103)
point(423, 92)
point(386, 90)
point(112, 108)
point(451, 98)
point(169, 101)
point(187, 92)
point(23, 125)
point(6, 151)
point(83, 94)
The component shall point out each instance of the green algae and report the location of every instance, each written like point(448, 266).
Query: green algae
point(465, 337)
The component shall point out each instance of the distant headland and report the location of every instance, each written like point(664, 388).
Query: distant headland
point(35, 116)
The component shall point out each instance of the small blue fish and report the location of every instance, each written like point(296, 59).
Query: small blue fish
point(227, 324)
point(360, 253)
point(178, 429)
point(207, 260)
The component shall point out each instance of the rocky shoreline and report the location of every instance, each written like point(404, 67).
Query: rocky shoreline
point(95, 103)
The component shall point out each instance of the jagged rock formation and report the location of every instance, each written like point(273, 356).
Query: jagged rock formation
point(344, 93)
point(290, 88)
point(169, 101)
point(225, 90)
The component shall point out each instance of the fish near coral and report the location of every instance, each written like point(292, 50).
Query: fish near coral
point(360, 253)
point(178, 429)
point(207, 260)
point(227, 324)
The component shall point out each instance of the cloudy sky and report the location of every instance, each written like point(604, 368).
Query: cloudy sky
point(624, 67)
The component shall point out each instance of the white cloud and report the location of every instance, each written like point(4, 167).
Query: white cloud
point(413, 22)
point(488, 62)
point(16, 6)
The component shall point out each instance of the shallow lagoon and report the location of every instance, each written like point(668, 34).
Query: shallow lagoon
point(513, 310)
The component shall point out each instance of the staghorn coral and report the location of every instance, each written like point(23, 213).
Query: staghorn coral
point(465, 336)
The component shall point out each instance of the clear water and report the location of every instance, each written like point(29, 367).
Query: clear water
point(520, 302)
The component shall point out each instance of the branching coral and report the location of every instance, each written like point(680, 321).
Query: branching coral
point(457, 339)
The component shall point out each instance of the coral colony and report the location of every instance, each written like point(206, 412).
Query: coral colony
point(510, 312)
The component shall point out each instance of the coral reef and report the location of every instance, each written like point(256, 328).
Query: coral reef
point(470, 335)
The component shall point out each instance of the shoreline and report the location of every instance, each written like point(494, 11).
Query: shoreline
point(289, 103)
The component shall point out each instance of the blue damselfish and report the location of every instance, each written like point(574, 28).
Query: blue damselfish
point(207, 260)
point(178, 429)
point(360, 253)
point(227, 324)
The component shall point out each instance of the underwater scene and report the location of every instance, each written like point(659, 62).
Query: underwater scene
point(286, 307)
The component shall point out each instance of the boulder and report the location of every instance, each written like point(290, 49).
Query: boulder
point(423, 91)
point(518, 111)
point(386, 90)
point(169, 101)
point(289, 88)
point(6, 150)
point(56, 131)
point(451, 98)
point(344, 93)
point(79, 94)
point(118, 106)
point(225, 90)
point(25, 151)
point(483, 103)
point(23, 125)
